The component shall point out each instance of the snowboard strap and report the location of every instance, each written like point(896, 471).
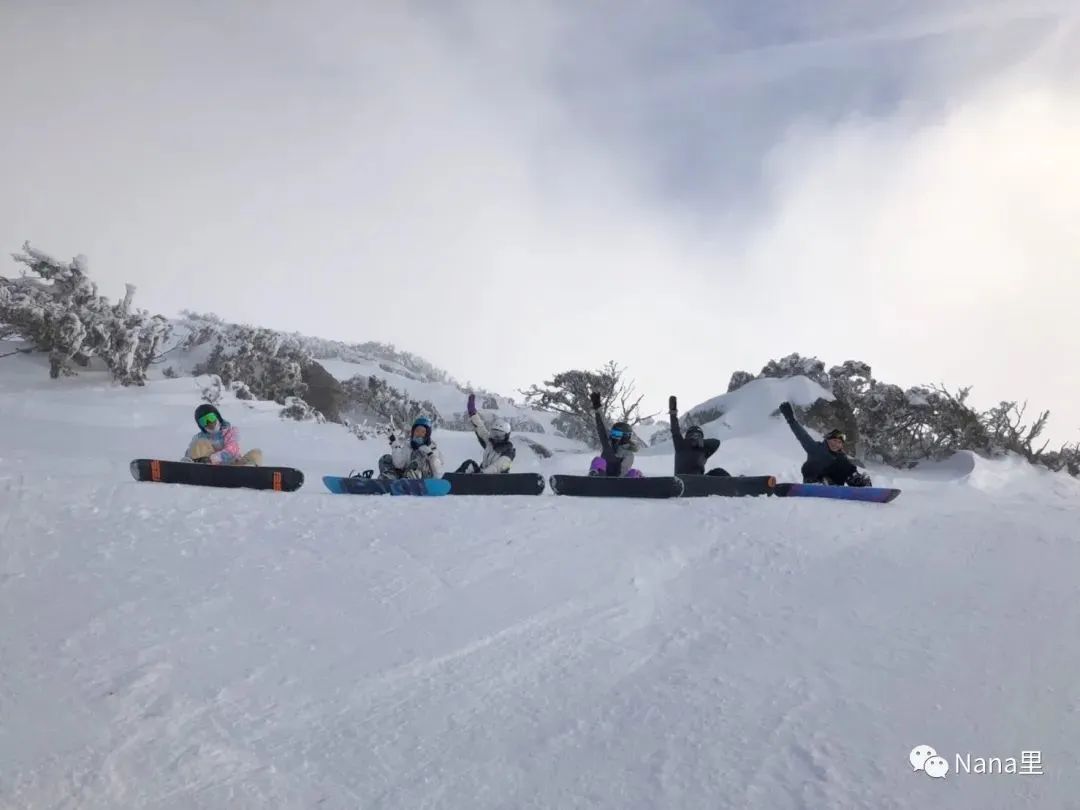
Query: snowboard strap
point(277, 481)
point(155, 470)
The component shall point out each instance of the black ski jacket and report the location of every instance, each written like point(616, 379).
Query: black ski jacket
point(822, 464)
point(619, 457)
point(690, 460)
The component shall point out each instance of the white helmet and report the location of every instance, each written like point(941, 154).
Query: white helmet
point(499, 430)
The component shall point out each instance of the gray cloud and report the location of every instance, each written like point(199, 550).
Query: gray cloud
point(511, 189)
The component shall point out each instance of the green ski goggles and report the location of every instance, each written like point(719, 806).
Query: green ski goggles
point(207, 420)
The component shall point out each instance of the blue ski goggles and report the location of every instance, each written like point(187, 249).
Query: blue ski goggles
point(617, 434)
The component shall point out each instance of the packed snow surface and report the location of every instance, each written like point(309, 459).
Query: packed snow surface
point(177, 647)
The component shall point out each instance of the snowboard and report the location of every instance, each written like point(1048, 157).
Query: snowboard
point(281, 479)
point(380, 486)
point(600, 486)
point(495, 484)
point(700, 486)
point(869, 494)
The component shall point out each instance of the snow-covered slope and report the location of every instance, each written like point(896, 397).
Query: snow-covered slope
point(175, 647)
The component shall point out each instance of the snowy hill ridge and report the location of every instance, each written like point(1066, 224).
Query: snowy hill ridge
point(375, 388)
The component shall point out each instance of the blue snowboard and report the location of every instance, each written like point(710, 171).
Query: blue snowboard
point(378, 486)
point(869, 494)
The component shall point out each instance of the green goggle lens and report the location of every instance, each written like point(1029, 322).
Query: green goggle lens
point(209, 419)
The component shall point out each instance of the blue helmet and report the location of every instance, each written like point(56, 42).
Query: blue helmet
point(424, 422)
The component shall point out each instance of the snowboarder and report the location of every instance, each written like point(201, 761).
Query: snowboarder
point(417, 458)
point(218, 441)
point(692, 449)
point(499, 451)
point(616, 458)
point(826, 461)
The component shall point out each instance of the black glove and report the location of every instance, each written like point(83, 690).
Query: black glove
point(202, 460)
point(672, 405)
point(858, 479)
point(594, 398)
point(393, 438)
point(786, 410)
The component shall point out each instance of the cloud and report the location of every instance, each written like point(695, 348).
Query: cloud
point(514, 189)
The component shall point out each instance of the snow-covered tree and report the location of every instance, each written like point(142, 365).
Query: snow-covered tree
point(61, 313)
point(795, 365)
point(567, 395)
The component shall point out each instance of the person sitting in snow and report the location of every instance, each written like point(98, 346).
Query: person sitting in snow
point(616, 459)
point(692, 449)
point(218, 442)
point(417, 458)
point(499, 451)
point(826, 461)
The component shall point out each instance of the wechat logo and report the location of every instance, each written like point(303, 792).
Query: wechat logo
point(924, 758)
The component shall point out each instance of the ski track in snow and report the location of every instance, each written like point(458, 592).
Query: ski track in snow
point(174, 647)
point(320, 651)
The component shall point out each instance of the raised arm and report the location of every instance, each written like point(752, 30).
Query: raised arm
point(676, 431)
point(479, 428)
point(601, 428)
point(805, 439)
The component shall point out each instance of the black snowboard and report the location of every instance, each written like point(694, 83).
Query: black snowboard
point(282, 479)
point(700, 486)
point(495, 484)
point(600, 486)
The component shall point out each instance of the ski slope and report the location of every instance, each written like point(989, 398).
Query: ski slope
point(173, 647)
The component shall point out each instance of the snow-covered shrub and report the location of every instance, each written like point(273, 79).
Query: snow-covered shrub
point(660, 437)
point(525, 424)
point(62, 313)
point(375, 399)
point(270, 362)
point(211, 390)
point(296, 408)
point(795, 365)
point(738, 380)
point(240, 390)
point(366, 430)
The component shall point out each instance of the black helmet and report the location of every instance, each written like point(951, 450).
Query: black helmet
point(202, 411)
point(621, 432)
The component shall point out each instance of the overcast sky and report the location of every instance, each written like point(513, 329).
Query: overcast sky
point(514, 188)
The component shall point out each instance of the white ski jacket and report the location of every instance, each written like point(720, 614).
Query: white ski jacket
point(423, 462)
point(497, 458)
